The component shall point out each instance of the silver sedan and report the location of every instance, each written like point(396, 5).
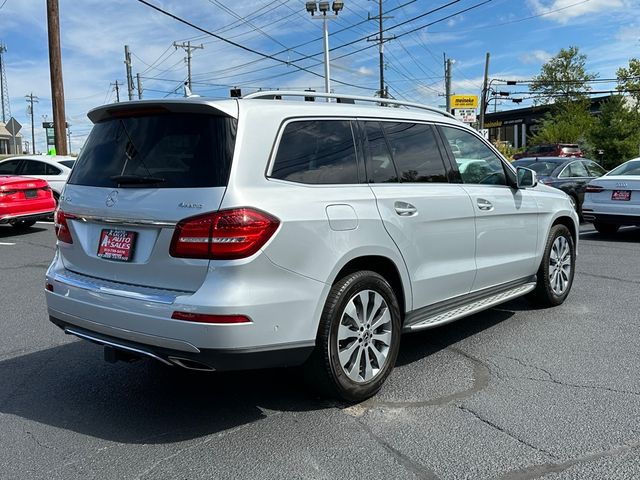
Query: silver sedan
point(613, 200)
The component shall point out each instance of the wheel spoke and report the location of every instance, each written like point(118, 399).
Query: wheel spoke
point(382, 319)
point(368, 369)
point(344, 332)
point(352, 312)
point(380, 357)
point(354, 372)
point(345, 354)
point(364, 302)
point(377, 302)
point(384, 337)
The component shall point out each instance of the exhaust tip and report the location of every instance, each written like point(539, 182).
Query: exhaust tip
point(191, 364)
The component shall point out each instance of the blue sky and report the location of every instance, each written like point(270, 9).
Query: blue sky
point(520, 35)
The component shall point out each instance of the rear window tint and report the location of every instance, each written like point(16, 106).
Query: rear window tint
point(317, 152)
point(67, 163)
point(185, 150)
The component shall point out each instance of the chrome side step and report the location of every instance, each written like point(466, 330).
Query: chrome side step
point(430, 320)
point(102, 341)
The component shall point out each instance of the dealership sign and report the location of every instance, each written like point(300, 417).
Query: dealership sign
point(466, 115)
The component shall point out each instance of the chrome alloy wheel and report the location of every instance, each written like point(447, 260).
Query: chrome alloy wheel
point(560, 260)
point(364, 336)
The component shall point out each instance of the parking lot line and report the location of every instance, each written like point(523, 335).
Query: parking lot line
point(7, 243)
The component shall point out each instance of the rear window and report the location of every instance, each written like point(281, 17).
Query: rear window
point(67, 163)
point(570, 149)
point(180, 150)
point(629, 168)
point(540, 167)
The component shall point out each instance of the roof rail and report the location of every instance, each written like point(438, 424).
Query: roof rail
point(271, 94)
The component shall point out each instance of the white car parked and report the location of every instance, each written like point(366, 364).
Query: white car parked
point(255, 232)
point(54, 169)
point(613, 200)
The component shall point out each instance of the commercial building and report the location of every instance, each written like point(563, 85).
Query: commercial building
point(7, 144)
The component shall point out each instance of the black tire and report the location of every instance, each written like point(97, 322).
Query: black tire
point(606, 228)
point(546, 294)
point(23, 224)
point(323, 370)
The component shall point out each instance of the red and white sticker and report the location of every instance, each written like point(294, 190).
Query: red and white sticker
point(116, 245)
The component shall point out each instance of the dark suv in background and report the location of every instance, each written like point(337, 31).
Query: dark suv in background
point(551, 150)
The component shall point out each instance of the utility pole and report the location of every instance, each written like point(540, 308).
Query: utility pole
point(117, 89)
point(4, 91)
point(483, 98)
point(381, 39)
point(447, 82)
point(188, 48)
point(127, 62)
point(57, 87)
point(31, 98)
point(139, 86)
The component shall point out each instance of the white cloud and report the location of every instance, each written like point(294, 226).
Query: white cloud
point(535, 57)
point(564, 11)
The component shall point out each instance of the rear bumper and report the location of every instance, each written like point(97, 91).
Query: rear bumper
point(284, 309)
point(202, 359)
point(16, 217)
point(612, 219)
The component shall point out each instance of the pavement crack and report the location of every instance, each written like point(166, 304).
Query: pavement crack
point(542, 470)
point(605, 277)
point(418, 470)
point(480, 380)
point(553, 379)
point(36, 441)
point(506, 432)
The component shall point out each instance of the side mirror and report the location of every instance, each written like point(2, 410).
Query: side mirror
point(527, 178)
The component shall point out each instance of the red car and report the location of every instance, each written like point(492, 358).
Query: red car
point(551, 150)
point(24, 200)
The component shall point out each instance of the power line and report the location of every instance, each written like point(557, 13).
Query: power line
point(243, 47)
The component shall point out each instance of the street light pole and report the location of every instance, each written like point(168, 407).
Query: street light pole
point(327, 74)
point(323, 8)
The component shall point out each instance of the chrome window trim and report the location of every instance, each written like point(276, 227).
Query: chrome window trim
point(124, 221)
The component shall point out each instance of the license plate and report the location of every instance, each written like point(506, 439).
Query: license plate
point(31, 193)
point(116, 245)
point(621, 195)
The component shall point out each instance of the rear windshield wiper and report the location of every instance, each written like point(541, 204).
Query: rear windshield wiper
point(136, 179)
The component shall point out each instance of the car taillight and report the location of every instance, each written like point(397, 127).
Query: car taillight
point(61, 227)
point(228, 234)
point(594, 189)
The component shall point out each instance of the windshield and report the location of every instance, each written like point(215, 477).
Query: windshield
point(542, 168)
point(629, 168)
point(180, 150)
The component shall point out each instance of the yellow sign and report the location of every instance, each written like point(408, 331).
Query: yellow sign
point(464, 101)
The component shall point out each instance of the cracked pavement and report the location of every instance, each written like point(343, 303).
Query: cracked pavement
point(511, 393)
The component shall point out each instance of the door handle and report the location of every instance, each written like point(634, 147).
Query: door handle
point(405, 209)
point(484, 204)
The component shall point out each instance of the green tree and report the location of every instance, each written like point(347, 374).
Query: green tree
point(629, 80)
point(566, 122)
point(563, 78)
point(616, 131)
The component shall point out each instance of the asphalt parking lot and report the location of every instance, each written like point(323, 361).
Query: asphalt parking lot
point(511, 393)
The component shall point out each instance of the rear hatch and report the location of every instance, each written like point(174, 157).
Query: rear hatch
point(144, 168)
point(23, 196)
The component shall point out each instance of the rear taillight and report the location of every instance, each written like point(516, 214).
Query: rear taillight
point(594, 189)
point(61, 227)
point(228, 234)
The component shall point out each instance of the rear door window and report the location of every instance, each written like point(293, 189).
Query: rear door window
point(574, 170)
point(317, 152)
point(415, 152)
point(380, 167)
point(594, 169)
point(34, 167)
point(172, 150)
point(10, 167)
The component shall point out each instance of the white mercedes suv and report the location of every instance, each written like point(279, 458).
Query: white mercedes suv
point(260, 232)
